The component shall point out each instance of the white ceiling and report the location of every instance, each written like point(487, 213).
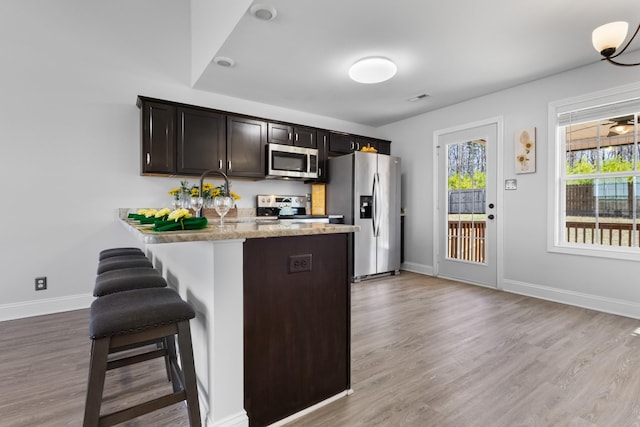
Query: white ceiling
point(452, 50)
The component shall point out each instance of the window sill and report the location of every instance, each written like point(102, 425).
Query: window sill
point(615, 252)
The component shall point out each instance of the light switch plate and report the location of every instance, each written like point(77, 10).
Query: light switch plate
point(510, 184)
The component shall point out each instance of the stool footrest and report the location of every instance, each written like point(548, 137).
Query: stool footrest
point(141, 409)
point(130, 360)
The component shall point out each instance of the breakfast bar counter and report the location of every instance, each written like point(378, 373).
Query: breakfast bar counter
point(272, 329)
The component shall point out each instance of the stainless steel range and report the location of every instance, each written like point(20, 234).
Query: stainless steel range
point(290, 208)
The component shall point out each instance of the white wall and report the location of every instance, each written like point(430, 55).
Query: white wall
point(71, 72)
point(606, 284)
point(70, 75)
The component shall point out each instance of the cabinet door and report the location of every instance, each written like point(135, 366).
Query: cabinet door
point(323, 156)
point(280, 134)
point(200, 141)
point(340, 143)
point(384, 147)
point(304, 137)
point(246, 143)
point(158, 137)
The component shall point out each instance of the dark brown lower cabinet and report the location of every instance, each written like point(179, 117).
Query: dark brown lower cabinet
point(296, 324)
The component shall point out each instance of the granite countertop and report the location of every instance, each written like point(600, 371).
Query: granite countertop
point(244, 229)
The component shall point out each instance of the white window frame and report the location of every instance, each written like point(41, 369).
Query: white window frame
point(557, 159)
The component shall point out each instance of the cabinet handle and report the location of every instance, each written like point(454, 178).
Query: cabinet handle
point(219, 163)
point(353, 145)
point(357, 146)
point(229, 165)
point(148, 158)
point(296, 137)
point(319, 172)
point(289, 136)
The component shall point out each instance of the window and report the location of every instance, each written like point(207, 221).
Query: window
point(596, 190)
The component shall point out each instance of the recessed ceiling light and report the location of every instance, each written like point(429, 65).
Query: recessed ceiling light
point(263, 12)
point(375, 69)
point(223, 61)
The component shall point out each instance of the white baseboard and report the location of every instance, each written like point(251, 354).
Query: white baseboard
point(593, 302)
point(41, 307)
point(417, 268)
point(237, 420)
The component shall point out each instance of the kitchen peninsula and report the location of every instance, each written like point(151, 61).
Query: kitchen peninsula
point(271, 335)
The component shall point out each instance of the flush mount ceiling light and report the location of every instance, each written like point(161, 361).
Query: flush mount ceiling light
point(608, 38)
point(223, 61)
point(375, 69)
point(263, 12)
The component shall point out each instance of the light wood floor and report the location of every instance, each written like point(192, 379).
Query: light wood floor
point(425, 352)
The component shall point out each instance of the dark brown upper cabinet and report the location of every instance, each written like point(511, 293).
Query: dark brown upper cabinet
point(340, 143)
point(182, 139)
point(246, 146)
point(158, 137)
point(280, 134)
point(382, 146)
point(201, 141)
point(304, 137)
point(285, 134)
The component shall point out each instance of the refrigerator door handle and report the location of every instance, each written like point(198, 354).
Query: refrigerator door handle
point(376, 209)
point(374, 206)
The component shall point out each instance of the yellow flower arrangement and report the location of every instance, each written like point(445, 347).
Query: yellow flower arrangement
point(179, 215)
point(163, 213)
point(209, 191)
point(148, 213)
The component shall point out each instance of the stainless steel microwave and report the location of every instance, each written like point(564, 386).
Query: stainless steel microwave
point(291, 162)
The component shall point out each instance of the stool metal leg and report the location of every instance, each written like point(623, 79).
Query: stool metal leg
point(95, 385)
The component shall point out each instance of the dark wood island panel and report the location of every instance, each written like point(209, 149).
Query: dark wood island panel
point(296, 324)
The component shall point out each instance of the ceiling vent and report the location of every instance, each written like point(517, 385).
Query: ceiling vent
point(418, 97)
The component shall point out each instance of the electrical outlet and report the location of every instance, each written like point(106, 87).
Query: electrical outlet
point(41, 283)
point(299, 263)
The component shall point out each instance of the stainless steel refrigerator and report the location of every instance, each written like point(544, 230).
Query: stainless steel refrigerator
point(365, 188)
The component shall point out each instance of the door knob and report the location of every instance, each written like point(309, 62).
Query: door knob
point(491, 216)
point(491, 205)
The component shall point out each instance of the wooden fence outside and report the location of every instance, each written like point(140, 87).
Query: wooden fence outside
point(467, 239)
point(606, 233)
point(467, 201)
point(615, 200)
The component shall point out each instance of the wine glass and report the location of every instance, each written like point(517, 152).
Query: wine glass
point(196, 204)
point(222, 206)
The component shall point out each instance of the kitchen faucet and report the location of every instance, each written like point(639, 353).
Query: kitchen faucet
point(222, 174)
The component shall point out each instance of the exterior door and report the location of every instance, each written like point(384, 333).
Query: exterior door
point(467, 205)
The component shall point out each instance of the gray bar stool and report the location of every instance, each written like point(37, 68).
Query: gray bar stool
point(123, 261)
point(127, 279)
point(111, 252)
point(131, 318)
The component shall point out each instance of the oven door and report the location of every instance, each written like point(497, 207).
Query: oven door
point(292, 162)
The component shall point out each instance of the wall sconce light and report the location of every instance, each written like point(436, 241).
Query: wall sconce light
point(608, 38)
